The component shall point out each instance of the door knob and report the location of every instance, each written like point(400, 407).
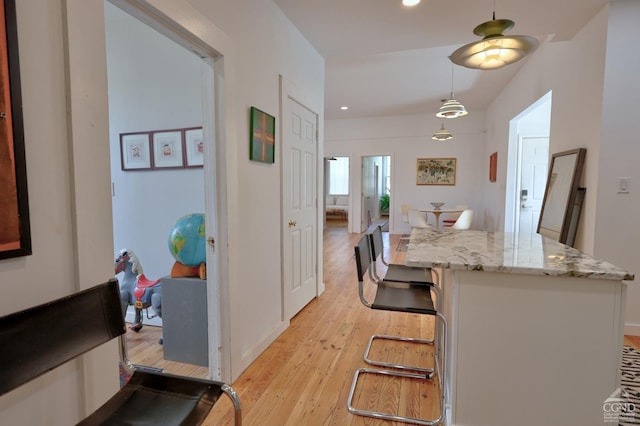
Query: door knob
point(211, 241)
point(292, 223)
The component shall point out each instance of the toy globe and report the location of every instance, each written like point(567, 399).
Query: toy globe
point(187, 240)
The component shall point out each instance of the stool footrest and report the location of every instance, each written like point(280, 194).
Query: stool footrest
point(370, 361)
point(388, 416)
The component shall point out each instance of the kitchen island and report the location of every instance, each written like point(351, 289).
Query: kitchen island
point(535, 327)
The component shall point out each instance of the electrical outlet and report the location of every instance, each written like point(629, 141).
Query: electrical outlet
point(623, 185)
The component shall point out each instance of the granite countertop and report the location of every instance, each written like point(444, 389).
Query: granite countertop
point(505, 252)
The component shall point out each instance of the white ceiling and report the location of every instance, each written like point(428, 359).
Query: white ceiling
point(383, 58)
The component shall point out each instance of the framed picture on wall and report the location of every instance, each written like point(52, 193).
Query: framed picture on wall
point(167, 149)
point(15, 230)
point(134, 151)
point(436, 171)
point(493, 167)
point(194, 147)
point(262, 136)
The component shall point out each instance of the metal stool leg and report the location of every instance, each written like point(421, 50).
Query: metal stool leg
point(439, 359)
point(427, 371)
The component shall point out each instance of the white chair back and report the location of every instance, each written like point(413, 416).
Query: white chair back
point(464, 221)
point(404, 211)
point(417, 219)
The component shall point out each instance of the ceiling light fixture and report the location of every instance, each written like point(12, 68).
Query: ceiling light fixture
point(442, 134)
point(344, 108)
point(494, 50)
point(410, 3)
point(451, 108)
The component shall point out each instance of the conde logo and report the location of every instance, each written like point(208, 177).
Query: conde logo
point(617, 407)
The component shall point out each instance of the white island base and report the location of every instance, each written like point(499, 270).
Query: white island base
point(532, 350)
point(535, 327)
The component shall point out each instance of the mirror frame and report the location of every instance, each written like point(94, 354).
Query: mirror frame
point(576, 174)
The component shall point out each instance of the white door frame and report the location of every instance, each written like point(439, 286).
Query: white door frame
point(521, 160)
point(357, 187)
point(290, 90)
point(512, 196)
point(177, 20)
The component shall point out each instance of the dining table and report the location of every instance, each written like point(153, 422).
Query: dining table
point(437, 212)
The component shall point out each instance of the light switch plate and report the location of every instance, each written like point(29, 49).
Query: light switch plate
point(623, 185)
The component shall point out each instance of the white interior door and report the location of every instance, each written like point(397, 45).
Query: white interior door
point(300, 205)
point(533, 176)
point(368, 191)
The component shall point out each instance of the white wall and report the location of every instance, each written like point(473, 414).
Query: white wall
point(154, 84)
point(595, 85)
point(69, 177)
point(266, 45)
point(617, 234)
point(68, 180)
point(405, 139)
point(573, 71)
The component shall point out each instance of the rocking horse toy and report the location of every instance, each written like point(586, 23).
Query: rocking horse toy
point(136, 289)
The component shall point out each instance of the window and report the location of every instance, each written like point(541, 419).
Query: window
point(339, 176)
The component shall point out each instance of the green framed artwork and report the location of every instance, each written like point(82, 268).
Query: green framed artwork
point(263, 136)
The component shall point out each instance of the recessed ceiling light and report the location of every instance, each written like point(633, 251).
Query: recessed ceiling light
point(410, 2)
point(344, 108)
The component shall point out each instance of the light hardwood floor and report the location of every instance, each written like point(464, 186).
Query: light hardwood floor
point(304, 377)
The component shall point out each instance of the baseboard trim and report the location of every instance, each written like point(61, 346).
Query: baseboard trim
point(632, 329)
point(249, 356)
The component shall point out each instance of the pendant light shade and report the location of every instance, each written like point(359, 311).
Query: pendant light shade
point(494, 50)
point(442, 134)
point(451, 109)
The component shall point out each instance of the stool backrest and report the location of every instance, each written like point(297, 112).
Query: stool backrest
point(363, 257)
point(41, 338)
point(376, 243)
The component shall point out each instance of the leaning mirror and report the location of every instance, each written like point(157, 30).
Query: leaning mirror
point(559, 215)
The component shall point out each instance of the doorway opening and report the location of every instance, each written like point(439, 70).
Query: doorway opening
point(336, 206)
point(528, 160)
point(163, 94)
point(376, 191)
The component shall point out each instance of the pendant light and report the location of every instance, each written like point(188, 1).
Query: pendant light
point(442, 134)
point(451, 108)
point(494, 50)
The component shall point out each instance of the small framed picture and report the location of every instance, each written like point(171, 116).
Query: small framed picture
point(167, 149)
point(194, 146)
point(436, 171)
point(493, 167)
point(262, 136)
point(134, 151)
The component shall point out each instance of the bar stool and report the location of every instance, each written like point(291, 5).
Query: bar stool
point(395, 272)
point(401, 274)
point(400, 297)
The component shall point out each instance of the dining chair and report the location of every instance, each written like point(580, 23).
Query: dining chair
point(408, 298)
point(38, 339)
point(404, 212)
point(454, 216)
point(464, 221)
point(417, 219)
